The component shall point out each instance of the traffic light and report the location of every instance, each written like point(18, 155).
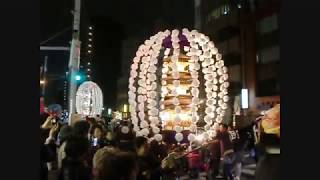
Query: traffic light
point(78, 78)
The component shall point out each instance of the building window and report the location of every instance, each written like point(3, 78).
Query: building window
point(216, 13)
point(235, 73)
point(268, 24)
point(268, 55)
point(225, 9)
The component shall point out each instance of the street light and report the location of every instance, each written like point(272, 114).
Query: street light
point(244, 99)
point(78, 77)
point(125, 108)
point(42, 82)
point(109, 111)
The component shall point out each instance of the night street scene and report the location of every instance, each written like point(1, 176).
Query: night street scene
point(159, 90)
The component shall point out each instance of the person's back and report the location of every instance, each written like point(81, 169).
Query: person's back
point(116, 166)
point(73, 169)
point(74, 166)
point(227, 152)
point(215, 153)
point(226, 145)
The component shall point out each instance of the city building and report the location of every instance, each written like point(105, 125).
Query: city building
point(128, 50)
point(247, 35)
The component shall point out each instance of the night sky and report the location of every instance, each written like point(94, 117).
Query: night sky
point(114, 21)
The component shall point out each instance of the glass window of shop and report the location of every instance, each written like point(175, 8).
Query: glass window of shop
point(217, 12)
point(268, 24)
point(268, 83)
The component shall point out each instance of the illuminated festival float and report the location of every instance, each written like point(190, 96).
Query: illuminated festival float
point(89, 99)
point(178, 85)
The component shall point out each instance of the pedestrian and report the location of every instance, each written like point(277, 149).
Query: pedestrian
point(64, 135)
point(239, 145)
point(215, 155)
point(147, 163)
point(98, 136)
point(117, 165)
point(99, 157)
point(81, 129)
point(74, 165)
point(47, 153)
point(227, 152)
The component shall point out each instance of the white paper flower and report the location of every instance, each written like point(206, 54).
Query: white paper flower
point(195, 118)
point(207, 127)
point(225, 98)
point(154, 112)
point(125, 130)
point(195, 92)
point(153, 77)
point(224, 106)
point(145, 132)
point(214, 50)
point(178, 129)
point(218, 56)
point(193, 128)
point(191, 137)
point(155, 130)
point(179, 137)
point(144, 124)
point(158, 137)
point(195, 100)
point(195, 83)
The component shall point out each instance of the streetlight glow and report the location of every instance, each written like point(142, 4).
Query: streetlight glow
point(125, 108)
point(78, 77)
point(244, 99)
point(109, 111)
point(42, 82)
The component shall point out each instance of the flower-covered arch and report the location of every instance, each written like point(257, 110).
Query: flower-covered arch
point(89, 99)
point(164, 84)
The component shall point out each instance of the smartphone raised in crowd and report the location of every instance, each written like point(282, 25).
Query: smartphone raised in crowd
point(95, 142)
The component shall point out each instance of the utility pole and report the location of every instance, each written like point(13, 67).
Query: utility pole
point(74, 60)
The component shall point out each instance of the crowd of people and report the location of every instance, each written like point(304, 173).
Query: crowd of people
point(92, 150)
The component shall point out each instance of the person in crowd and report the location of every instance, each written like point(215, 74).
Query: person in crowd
point(98, 136)
point(110, 139)
point(117, 166)
point(81, 128)
point(239, 145)
point(51, 141)
point(214, 148)
point(64, 135)
point(147, 163)
point(227, 152)
point(156, 151)
point(74, 166)
point(47, 153)
point(99, 157)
